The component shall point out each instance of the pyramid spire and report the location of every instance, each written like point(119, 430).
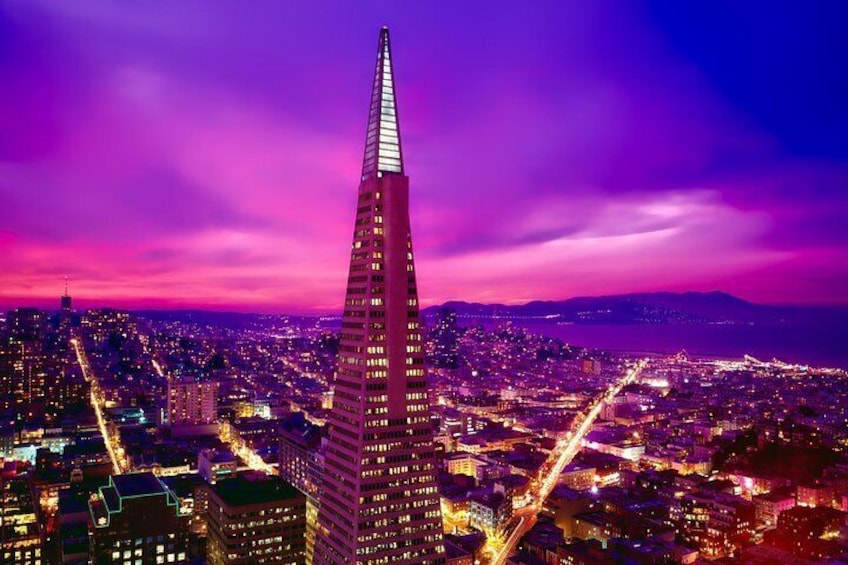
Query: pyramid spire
point(382, 140)
point(379, 497)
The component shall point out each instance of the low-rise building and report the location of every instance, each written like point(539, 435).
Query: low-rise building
point(769, 506)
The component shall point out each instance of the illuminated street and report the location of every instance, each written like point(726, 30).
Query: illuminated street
point(561, 456)
point(249, 456)
point(501, 283)
point(110, 435)
point(294, 366)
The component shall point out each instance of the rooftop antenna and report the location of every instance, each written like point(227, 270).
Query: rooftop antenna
point(66, 285)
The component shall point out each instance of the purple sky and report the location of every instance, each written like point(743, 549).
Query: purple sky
point(207, 153)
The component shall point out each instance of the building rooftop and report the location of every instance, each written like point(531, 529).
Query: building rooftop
point(454, 551)
point(777, 495)
point(544, 534)
point(470, 542)
point(137, 484)
point(298, 430)
point(218, 455)
point(564, 492)
point(254, 488)
point(133, 485)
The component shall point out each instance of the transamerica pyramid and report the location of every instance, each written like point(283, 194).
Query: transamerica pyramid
point(379, 502)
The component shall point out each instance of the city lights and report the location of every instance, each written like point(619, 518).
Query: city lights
point(618, 334)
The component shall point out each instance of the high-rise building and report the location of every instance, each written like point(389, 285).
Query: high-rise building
point(137, 519)
point(8, 377)
point(65, 319)
point(301, 459)
point(26, 329)
point(256, 518)
point(302, 464)
point(73, 518)
point(445, 336)
point(21, 539)
point(379, 501)
point(66, 300)
point(34, 364)
point(26, 372)
point(27, 324)
point(192, 405)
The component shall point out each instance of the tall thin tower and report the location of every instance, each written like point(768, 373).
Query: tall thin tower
point(379, 502)
point(66, 299)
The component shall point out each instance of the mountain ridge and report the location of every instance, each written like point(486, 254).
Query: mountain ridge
point(692, 307)
point(648, 307)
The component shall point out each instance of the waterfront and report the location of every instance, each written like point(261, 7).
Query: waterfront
point(820, 345)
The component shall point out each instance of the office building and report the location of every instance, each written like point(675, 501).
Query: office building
point(137, 520)
point(255, 519)
point(379, 501)
point(192, 406)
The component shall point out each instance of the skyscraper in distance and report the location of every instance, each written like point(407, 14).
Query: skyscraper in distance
point(445, 339)
point(66, 299)
point(379, 501)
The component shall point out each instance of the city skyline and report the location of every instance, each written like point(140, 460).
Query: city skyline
point(161, 161)
point(165, 166)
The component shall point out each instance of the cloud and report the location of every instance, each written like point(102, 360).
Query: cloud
point(160, 158)
point(654, 242)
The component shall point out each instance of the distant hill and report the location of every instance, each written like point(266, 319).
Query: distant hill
point(643, 308)
point(649, 308)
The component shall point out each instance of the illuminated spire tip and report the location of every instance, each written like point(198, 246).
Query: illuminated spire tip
point(382, 140)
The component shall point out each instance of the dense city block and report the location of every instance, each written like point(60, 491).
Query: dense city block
point(175, 425)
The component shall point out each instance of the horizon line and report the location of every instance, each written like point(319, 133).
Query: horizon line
point(163, 305)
